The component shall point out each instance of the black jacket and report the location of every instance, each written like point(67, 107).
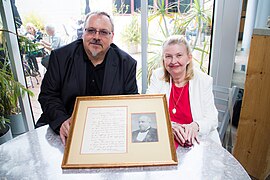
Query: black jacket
point(151, 136)
point(65, 79)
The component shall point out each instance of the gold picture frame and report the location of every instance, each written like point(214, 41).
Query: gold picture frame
point(104, 132)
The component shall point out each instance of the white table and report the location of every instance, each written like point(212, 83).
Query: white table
point(38, 155)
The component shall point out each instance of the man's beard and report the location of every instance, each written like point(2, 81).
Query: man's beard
point(95, 42)
point(94, 53)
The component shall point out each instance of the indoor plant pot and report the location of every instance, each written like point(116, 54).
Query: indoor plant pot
point(17, 124)
point(5, 134)
point(10, 92)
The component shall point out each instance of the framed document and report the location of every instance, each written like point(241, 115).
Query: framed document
point(120, 131)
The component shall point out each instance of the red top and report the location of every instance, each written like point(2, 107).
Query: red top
point(180, 101)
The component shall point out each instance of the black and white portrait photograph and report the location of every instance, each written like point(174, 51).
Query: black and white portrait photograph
point(144, 127)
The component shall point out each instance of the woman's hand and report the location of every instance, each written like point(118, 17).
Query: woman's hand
point(179, 133)
point(191, 131)
point(64, 130)
point(30, 36)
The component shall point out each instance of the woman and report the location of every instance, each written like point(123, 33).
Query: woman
point(188, 91)
point(33, 33)
point(35, 36)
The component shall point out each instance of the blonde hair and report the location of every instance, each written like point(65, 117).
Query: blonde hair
point(177, 39)
point(31, 26)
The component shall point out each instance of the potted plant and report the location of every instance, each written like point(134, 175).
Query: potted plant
point(132, 35)
point(11, 90)
point(5, 130)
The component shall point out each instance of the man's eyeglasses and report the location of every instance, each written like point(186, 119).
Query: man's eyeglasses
point(92, 31)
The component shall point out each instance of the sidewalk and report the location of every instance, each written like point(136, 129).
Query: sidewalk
point(35, 88)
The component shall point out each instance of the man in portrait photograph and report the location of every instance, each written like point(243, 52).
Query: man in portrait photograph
point(145, 133)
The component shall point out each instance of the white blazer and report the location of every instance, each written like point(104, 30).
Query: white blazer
point(201, 97)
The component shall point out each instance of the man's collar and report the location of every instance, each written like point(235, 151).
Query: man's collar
point(145, 130)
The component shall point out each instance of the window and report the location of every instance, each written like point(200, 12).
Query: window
point(185, 5)
point(176, 23)
point(130, 6)
point(123, 6)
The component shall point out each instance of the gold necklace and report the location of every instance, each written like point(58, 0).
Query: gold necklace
point(175, 103)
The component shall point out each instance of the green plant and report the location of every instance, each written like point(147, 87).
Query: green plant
point(33, 18)
point(122, 9)
point(11, 89)
point(158, 16)
point(171, 23)
point(27, 46)
point(132, 32)
point(201, 17)
point(3, 122)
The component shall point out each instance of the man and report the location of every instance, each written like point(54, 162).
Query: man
point(91, 66)
point(145, 133)
point(55, 40)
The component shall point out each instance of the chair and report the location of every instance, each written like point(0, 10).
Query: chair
point(225, 99)
point(29, 73)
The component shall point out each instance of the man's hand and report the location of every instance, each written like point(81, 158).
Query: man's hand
point(64, 130)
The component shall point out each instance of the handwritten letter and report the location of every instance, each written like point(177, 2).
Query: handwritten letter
point(105, 130)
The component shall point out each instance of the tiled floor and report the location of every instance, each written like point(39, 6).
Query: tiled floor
point(34, 86)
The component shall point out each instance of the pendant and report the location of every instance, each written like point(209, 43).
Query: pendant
point(173, 110)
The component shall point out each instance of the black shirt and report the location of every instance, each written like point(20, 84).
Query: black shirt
point(95, 75)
